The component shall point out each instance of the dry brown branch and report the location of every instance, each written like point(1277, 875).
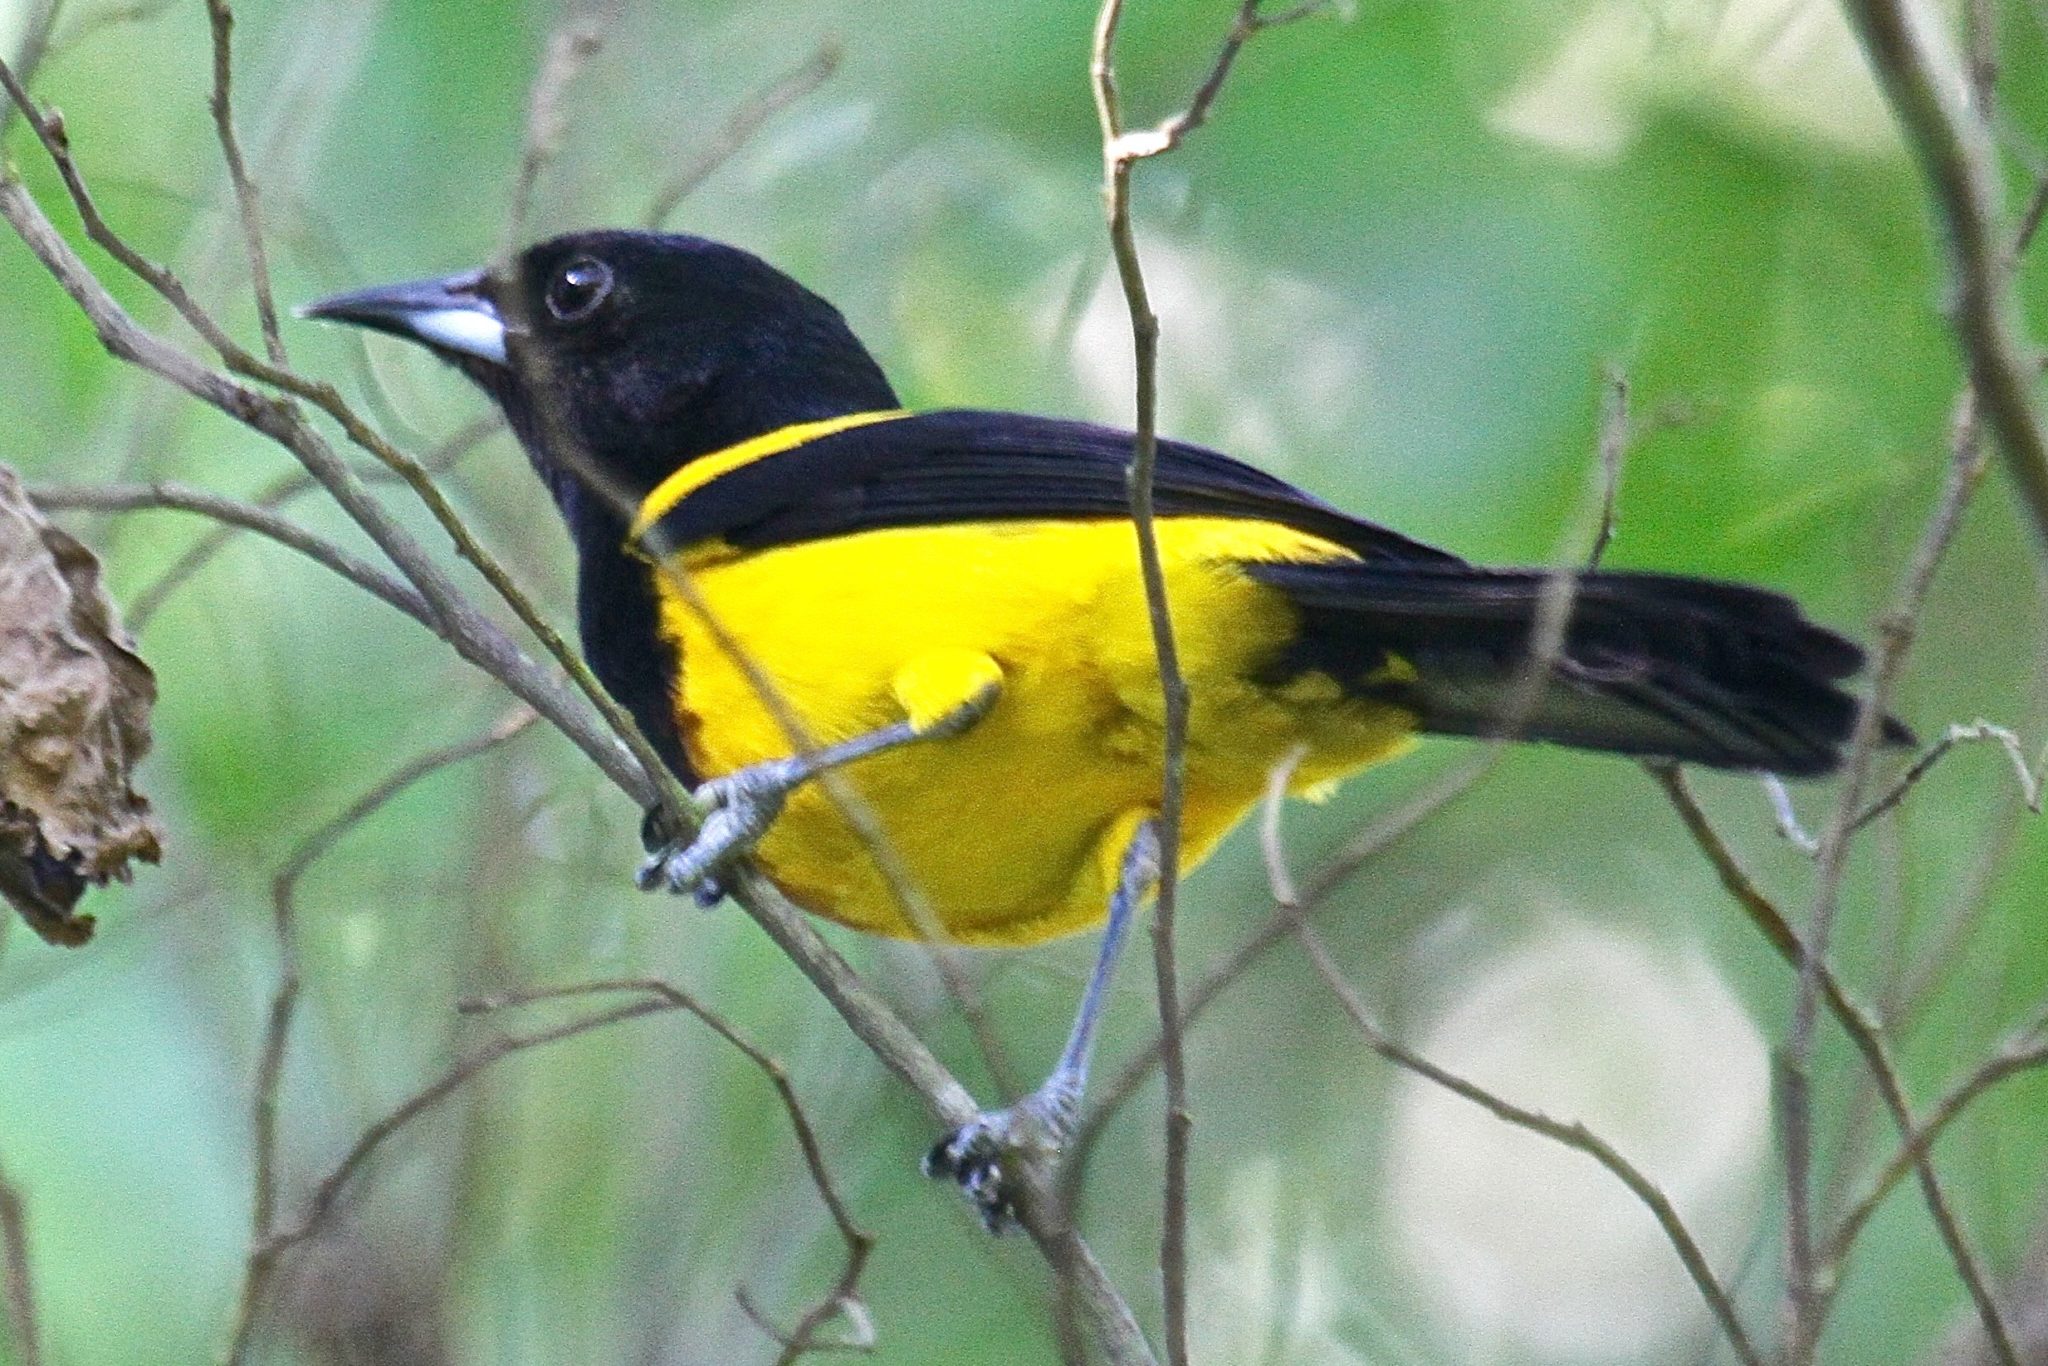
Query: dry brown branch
point(262, 1261)
point(843, 1299)
point(221, 17)
point(1804, 1293)
point(1572, 1135)
point(740, 127)
point(1910, 55)
point(20, 1289)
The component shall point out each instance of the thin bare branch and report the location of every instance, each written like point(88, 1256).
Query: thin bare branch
point(1573, 1135)
point(20, 1288)
point(1804, 1292)
point(245, 517)
point(143, 606)
point(2024, 1052)
point(1120, 152)
point(843, 1299)
point(740, 127)
point(1909, 51)
point(1855, 1021)
point(34, 46)
point(221, 17)
point(1615, 432)
point(856, 1336)
point(49, 130)
point(570, 48)
point(327, 1196)
point(2028, 776)
point(262, 1262)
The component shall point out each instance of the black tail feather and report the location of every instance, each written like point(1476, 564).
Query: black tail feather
point(1652, 664)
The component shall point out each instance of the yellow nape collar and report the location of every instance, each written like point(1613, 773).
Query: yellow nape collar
point(705, 468)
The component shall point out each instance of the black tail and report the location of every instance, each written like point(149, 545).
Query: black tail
point(1652, 664)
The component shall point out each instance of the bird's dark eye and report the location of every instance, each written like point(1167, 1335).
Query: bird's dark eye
point(578, 288)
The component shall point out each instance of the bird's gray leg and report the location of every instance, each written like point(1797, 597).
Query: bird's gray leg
point(743, 804)
point(973, 1154)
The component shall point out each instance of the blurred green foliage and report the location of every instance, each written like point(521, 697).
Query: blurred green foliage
point(1394, 268)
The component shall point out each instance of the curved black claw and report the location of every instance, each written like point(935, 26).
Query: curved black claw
point(741, 806)
point(972, 1157)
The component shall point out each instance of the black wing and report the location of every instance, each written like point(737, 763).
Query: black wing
point(965, 466)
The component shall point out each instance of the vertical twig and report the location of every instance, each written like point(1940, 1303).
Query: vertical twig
point(1121, 151)
point(21, 1299)
point(570, 48)
point(222, 19)
point(1615, 431)
point(1805, 1296)
point(1173, 688)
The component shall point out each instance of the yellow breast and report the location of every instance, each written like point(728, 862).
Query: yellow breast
point(1011, 831)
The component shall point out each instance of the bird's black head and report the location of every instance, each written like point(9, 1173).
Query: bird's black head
point(620, 356)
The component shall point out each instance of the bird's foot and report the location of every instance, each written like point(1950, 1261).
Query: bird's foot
point(738, 808)
point(981, 1155)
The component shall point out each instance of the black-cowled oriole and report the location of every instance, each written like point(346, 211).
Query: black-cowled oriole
point(948, 605)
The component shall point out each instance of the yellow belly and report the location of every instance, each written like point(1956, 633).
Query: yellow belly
point(1011, 830)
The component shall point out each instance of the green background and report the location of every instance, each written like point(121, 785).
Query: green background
point(1394, 268)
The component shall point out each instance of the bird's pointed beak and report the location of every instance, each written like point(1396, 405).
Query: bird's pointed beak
point(453, 314)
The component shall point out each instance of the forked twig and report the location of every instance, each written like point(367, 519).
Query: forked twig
point(2024, 1052)
point(1855, 1021)
point(1121, 151)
